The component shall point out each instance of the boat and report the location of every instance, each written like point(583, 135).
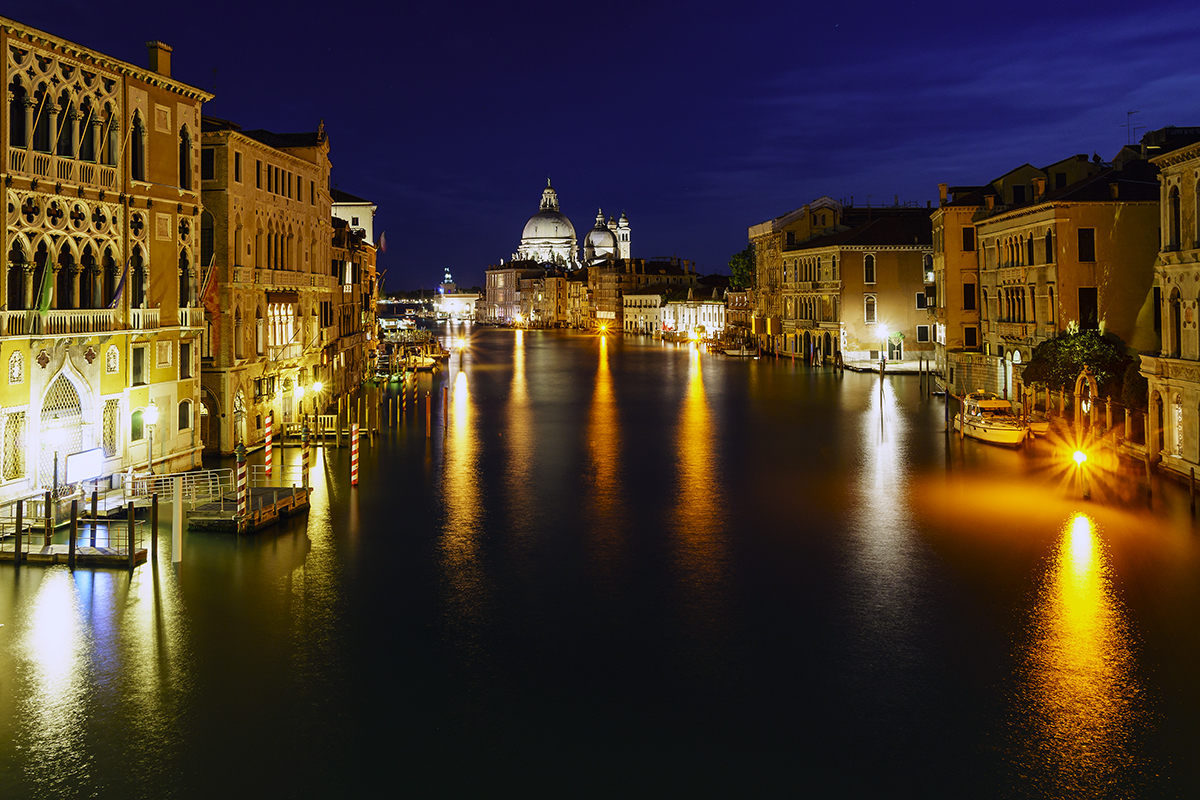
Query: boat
point(990, 418)
point(741, 351)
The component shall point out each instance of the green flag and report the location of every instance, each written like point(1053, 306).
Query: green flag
point(47, 287)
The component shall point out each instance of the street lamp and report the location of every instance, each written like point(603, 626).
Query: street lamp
point(151, 417)
point(55, 434)
point(1081, 459)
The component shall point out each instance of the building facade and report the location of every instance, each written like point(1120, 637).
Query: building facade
point(102, 244)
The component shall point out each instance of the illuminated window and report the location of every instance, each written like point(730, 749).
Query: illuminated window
point(869, 309)
point(868, 269)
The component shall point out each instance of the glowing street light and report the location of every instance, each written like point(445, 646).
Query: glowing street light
point(151, 417)
point(1081, 459)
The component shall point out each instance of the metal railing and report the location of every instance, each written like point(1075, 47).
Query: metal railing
point(281, 475)
point(38, 529)
point(199, 486)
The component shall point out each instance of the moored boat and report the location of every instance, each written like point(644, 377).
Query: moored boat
point(989, 418)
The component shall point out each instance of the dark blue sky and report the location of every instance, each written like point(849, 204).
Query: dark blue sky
point(698, 120)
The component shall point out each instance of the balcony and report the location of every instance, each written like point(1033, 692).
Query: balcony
point(284, 352)
point(1015, 331)
point(69, 322)
point(191, 317)
point(56, 168)
point(143, 319)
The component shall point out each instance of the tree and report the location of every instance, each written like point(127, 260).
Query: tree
point(1135, 392)
point(1057, 362)
point(741, 268)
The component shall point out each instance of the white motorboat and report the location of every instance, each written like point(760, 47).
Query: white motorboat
point(989, 418)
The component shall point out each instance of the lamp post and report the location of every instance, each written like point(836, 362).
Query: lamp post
point(54, 433)
point(151, 417)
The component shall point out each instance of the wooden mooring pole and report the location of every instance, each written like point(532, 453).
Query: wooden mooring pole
point(20, 524)
point(132, 524)
point(74, 533)
point(154, 522)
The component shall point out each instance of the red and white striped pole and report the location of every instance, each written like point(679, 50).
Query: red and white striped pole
point(270, 416)
point(354, 454)
point(241, 479)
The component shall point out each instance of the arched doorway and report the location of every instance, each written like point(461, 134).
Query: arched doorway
point(210, 431)
point(62, 431)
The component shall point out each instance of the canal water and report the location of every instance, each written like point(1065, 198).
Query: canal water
point(622, 568)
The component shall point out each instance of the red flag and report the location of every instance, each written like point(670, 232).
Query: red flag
point(383, 242)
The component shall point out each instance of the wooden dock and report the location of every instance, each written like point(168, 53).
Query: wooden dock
point(84, 555)
point(267, 504)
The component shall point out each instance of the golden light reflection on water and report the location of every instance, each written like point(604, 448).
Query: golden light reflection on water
point(698, 514)
point(604, 442)
point(1079, 671)
point(466, 588)
point(519, 438)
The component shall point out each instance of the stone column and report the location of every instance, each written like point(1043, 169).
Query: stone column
point(76, 270)
point(28, 284)
point(52, 119)
point(30, 105)
point(76, 118)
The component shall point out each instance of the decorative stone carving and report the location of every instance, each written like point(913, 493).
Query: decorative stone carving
point(90, 355)
point(43, 359)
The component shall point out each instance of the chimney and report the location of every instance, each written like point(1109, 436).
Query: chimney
point(1112, 189)
point(990, 201)
point(943, 194)
point(160, 58)
point(1039, 188)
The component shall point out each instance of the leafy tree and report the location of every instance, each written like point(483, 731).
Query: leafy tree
point(741, 268)
point(1057, 362)
point(1135, 391)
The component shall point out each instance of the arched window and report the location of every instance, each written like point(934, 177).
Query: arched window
point(869, 309)
point(112, 360)
point(41, 121)
point(65, 146)
point(17, 131)
point(259, 333)
point(185, 280)
point(87, 124)
point(1050, 315)
point(1049, 246)
point(868, 269)
point(137, 270)
point(185, 158)
point(136, 429)
point(239, 337)
point(1029, 250)
point(1176, 321)
point(983, 309)
point(1173, 221)
point(137, 148)
point(16, 277)
point(114, 137)
point(185, 415)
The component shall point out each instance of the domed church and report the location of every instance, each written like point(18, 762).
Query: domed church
point(549, 237)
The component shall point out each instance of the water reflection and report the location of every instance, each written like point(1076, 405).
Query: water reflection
point(699, 513)
point(55, 647)
point(884, 536)
point(1080, 687)
point(465, 583)
point(519, 437)
point(604, 442)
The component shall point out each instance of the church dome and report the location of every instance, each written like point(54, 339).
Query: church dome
point(549, 225)
point(599, 237)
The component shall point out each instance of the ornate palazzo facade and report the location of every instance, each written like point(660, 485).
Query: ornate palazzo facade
point(98, 306)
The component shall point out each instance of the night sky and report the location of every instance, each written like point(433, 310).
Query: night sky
point(697, 120)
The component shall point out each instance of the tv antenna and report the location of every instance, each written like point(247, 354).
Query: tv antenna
point(1129, 127)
